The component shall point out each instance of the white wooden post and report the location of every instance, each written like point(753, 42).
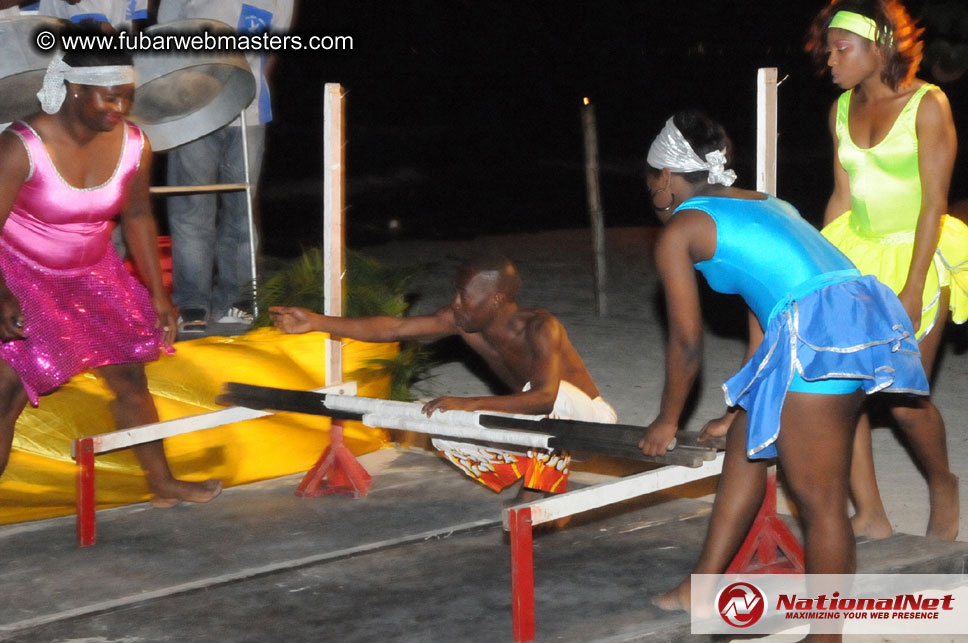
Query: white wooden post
point(250, 218)
point(766, 130)
point(333, 219)
point(766, 143)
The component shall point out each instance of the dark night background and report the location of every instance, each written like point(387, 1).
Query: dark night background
point(463, 117)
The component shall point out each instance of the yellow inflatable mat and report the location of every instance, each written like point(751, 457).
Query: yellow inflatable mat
point(40, 478)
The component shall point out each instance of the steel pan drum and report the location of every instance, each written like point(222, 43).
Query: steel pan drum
point(22, 65)
point(180, 96)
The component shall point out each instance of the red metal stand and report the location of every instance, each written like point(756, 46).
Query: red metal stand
point(336, 472)
point(522, 574)
point(86, 517)
point(768, 537)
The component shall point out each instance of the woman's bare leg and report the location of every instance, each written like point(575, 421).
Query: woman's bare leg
point(922, 425)
point(738, 498)
point(133, 406)
point(870, 518)
point(923, 428)
point(815, 452)
point(13, 398)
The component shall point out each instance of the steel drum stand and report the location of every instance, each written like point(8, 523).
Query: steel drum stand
point(173, 190)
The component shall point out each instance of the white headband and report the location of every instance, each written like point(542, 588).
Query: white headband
point(670, 149)
point(54, 91)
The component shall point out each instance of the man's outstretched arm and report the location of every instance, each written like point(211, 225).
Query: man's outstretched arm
point(367, 329)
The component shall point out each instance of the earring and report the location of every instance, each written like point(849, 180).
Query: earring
point(671, 200)
point(75, 95)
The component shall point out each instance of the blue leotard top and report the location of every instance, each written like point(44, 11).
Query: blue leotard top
point(767, 253)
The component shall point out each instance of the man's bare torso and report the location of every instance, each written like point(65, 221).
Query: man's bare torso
point(511, 353)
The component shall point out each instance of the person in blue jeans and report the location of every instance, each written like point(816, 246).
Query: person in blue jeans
point(211, 265)
point(212, 275)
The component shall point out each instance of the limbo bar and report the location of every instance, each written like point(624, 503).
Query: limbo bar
point(505, 428)
point(387, 414)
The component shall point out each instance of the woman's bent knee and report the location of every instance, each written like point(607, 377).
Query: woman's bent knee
point(125, 379)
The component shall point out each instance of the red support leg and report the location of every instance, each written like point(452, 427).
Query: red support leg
point(522, 575)
point(336, 472)
point(86, 517)
point(768, 537)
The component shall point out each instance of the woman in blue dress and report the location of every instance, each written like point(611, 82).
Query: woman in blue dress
point(821, 336)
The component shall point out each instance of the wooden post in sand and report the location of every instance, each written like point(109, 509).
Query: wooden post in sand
point(766, 130)
point(768, 536)
point(334, 261)
point(595, 204)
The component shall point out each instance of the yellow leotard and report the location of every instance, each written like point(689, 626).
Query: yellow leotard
point(877, 233)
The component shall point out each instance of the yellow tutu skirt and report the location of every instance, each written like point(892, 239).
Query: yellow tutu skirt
point(39, 480)
point(889, 258)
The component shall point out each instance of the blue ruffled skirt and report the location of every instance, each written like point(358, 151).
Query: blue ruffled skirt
point(854, 329)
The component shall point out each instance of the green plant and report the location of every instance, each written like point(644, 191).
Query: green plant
point(406, 367)
point(371, 289)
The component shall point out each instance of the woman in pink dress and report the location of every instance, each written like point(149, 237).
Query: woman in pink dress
point(67, 304)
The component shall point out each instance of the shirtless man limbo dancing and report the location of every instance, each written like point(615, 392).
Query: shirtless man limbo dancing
point(528, 349)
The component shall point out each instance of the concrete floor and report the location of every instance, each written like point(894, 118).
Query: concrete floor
point(421, 558)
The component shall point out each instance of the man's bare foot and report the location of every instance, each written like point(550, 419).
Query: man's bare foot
point(871, 527)
point(675, 600)
point(943, 523)
point(175, 491)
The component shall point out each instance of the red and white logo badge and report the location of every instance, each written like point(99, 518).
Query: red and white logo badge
point(741, 604)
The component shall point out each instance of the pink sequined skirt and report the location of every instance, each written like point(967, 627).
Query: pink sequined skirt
point(76, 319)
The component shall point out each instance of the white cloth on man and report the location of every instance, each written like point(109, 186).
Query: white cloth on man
point(572, 403)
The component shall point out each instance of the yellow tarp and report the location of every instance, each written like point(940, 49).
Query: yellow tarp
point(40, 479)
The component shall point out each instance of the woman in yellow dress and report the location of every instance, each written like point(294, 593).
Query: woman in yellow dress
point(894, 150)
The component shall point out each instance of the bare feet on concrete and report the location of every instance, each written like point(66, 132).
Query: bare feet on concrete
point(675, 600)
point(870, 526)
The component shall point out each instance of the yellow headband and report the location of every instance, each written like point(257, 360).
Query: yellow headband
point(855, 23)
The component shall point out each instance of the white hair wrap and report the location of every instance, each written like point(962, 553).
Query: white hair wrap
point(670, 149)
point(54, 91)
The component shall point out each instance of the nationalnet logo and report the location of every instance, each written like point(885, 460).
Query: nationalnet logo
point(830, 604)
point(905, 606)
point(741, 604)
